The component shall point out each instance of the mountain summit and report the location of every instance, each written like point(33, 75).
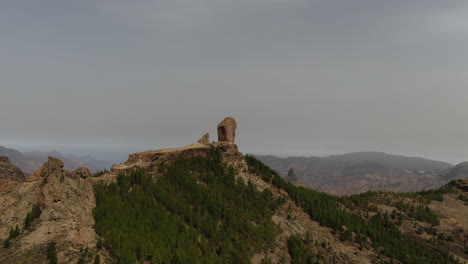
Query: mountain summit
point(208, 203)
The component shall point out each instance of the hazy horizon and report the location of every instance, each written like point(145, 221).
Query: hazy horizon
point(119, 154)
point(306, 77)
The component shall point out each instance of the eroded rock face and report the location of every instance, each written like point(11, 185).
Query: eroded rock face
point(205, 139)
point(66, 204)
point(53, 166)
point(227, 130)
point(10, 172)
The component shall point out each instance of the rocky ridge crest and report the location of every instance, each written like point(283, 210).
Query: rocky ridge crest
point(151, 160)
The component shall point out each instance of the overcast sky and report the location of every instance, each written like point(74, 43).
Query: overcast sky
point(310, 77)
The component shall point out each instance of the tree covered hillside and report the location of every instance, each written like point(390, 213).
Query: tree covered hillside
point(378, 231)
point(197, 212)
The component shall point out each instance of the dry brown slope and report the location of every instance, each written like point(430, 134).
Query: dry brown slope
point(66, 201)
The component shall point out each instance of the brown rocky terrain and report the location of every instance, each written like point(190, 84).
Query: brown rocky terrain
point(10, 172)
point(65, 199)
point(451, 211)
point(290, 218)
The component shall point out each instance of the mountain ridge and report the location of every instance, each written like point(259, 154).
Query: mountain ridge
point(208, 203)
point(364, 171)
point(29, 161)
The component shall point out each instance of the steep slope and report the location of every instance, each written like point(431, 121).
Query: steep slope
point(438, 217)
point(214, 198)
point(225, 205)
point(205, 203)
point(53, 205)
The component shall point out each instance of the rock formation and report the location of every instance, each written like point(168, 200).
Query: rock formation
point(205, 139)
point(227, 130)
point(151, 160)
point(82, 172)
point(10, 172)
point(66, 204)
point(52, 166)
point(292, 175)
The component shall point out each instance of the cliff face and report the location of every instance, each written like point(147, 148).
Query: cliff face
point(65, 199)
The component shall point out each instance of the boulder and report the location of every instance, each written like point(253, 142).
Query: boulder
point(227, 130)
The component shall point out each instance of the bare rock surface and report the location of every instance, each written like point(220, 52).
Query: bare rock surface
point(66, 204)
point(151, 160)
point(227, 130)
point(205, 139)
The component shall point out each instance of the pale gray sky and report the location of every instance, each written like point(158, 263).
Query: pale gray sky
point(300, 76)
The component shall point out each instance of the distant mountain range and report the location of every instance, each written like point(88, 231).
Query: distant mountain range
point(30, 161)
point(363, 171)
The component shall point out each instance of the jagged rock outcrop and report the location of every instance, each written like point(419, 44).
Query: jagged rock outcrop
point(66, 204)
point(10, 172)
point(227, 130)
point(53, 166)
point(205, 139)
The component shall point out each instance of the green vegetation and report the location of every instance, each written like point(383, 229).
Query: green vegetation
point(52, 253)
point(97, 259)
point(417, 209)
point(330, 211)
point(463, 198)
point(418, 212)
point(100, 173)
point(299, 253)
point(31, 216)
point(14, 232)
point(196, 212)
